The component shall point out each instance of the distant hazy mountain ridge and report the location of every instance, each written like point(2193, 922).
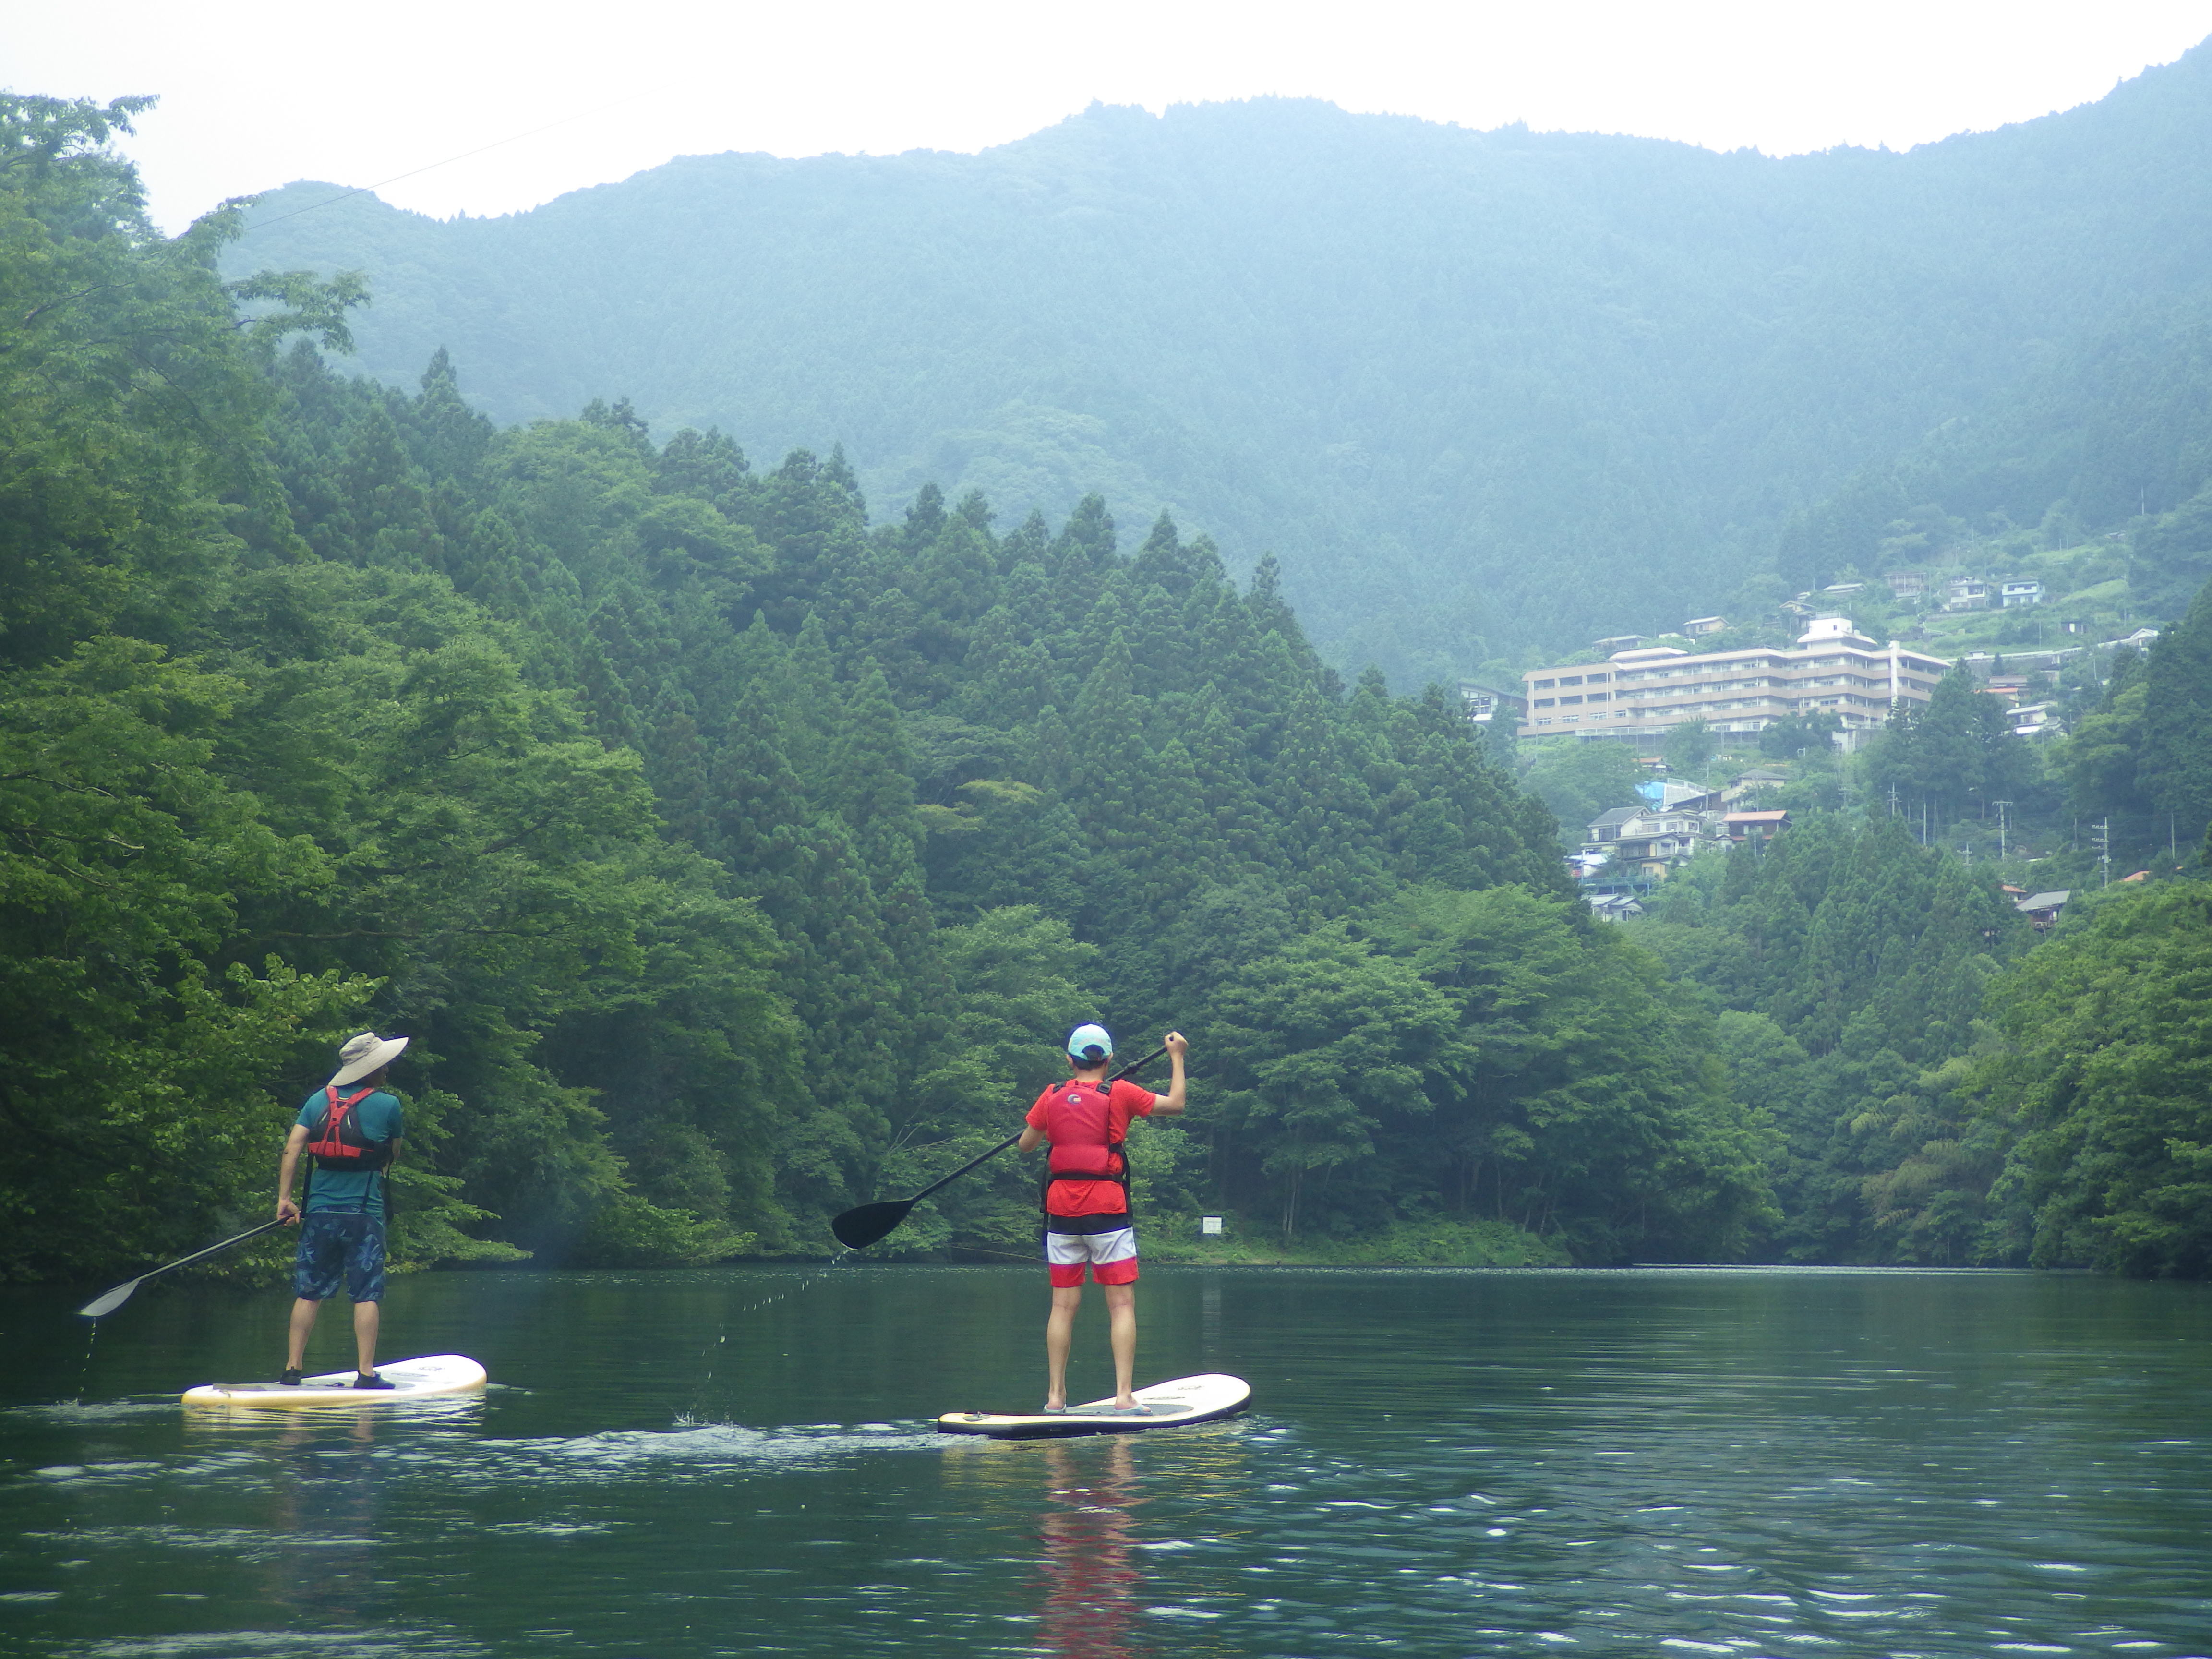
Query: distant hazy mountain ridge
point(1480, 390)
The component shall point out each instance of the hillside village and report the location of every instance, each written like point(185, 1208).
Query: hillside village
point(1758, 711)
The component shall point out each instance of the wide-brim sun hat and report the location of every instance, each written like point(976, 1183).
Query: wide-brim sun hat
point(365, 1053)
point(1084, 1038)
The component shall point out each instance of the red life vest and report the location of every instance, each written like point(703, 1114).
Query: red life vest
point(337, 1142)
point(1078, 1121)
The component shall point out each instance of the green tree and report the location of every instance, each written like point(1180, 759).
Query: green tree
point(1020, 982)
point(1784, 738)
point(2101, 1084)
point(140, 1068)
point(2104, 754)
point(1958, 753)
point(1578, 781)
point(1586, 1100)
point(1690, 747)
point(2176, 770)
point(1318, 1045)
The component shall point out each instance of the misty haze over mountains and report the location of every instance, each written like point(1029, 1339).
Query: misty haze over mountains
point(1482, 393)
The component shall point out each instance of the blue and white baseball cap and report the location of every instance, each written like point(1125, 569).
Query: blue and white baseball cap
point(1087, 1045)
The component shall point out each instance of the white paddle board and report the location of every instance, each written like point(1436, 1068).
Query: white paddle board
point(1187, 1399)
point(410, 1379)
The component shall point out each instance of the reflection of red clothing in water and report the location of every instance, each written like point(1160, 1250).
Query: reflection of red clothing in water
point(1090, 1577)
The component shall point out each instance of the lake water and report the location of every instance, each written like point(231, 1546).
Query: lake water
point(740, 1461)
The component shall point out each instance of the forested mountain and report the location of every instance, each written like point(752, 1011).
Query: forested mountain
point(731, 858)
point(727, 862)
point(2113, 430)
point(1479, 391)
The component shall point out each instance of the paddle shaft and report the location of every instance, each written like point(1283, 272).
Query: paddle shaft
point(948, 1180)
point(1133, 1066)
point(187, 1261)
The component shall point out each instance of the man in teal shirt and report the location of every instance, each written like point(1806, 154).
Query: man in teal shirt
point(350, 1130)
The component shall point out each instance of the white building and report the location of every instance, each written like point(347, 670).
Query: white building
point(1485, 704)
point(1967, 594)
point(1640, 696)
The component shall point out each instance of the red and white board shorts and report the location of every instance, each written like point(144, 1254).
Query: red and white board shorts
point(1111, 1257)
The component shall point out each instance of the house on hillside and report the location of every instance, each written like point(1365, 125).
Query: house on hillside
point(1644, 842)
point(1675, 795)
point(1744, 783)
point(1698, 626)
point(1987, 665)
point(2022, 591)
point(1906, 584)
point(1755, 828)
point(1484, 704)
point(1967, 594)
point(1605, 826)
point(2042, 909)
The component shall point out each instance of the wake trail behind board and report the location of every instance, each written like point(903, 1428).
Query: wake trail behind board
point(410, 1379)
point(1174, 1405)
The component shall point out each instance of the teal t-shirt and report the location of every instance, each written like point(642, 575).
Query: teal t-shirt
point(379, 1118)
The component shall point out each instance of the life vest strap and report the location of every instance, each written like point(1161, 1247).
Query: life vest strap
point(331, 1149)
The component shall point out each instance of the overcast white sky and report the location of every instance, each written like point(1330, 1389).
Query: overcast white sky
point(256, 94)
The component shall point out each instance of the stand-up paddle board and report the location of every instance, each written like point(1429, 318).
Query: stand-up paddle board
point(1172, 1404)
point(410, 1379)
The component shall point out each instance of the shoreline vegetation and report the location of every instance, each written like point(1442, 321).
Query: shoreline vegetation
point(731, 857)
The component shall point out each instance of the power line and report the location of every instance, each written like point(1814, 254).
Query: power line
point(433, 167)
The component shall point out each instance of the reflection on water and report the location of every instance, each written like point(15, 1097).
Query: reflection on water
point(323, 1490)
point(1091, 1580)
point(1618, 1464)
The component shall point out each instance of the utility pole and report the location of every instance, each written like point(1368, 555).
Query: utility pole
point(1893, 800)
point(2001, 805)
point(2102, 840)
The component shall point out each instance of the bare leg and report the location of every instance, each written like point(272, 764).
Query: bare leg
point(366, 1317)
point(1122, 1313)
point(1058, 1331)
point(303, 1323)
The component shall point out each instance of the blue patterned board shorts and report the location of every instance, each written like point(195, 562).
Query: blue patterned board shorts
point(335, 1244)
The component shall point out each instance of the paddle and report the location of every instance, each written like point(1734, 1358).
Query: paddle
point(858, 1228)
point(121, 1294)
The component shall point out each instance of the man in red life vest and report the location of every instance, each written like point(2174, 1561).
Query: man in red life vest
point(349, 1130)
point(1087, 1220)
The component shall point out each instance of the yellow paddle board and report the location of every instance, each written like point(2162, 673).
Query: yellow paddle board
point(410, 1379)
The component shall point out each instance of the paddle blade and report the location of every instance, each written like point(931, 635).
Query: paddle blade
point(108, 1303)
point(858, 1228)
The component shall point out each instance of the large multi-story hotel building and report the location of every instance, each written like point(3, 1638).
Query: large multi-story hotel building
point(1641, 695)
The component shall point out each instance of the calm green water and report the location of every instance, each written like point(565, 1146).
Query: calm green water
point(1438, 1463)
